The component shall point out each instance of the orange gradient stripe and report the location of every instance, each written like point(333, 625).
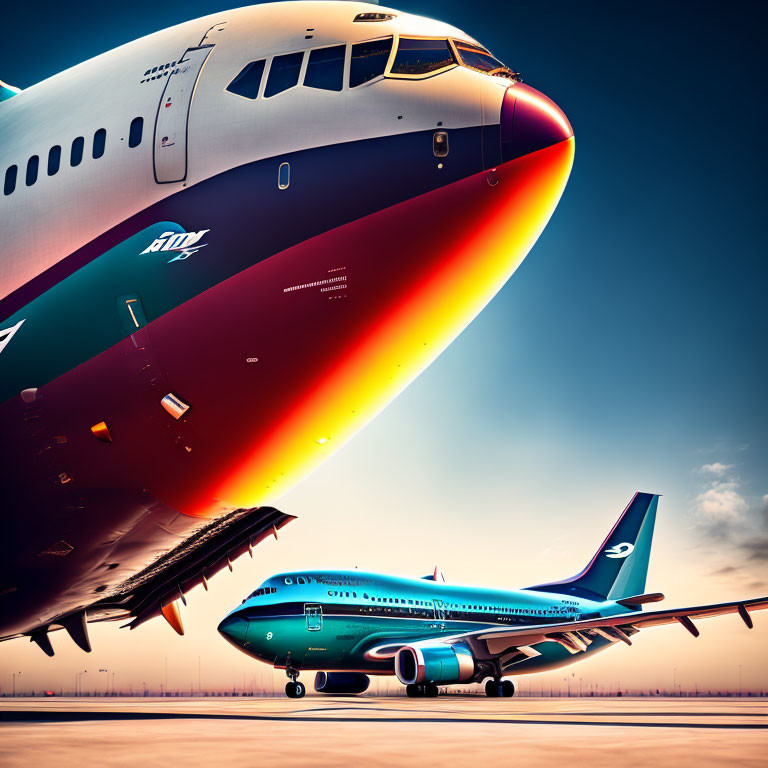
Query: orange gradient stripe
point(428, 318)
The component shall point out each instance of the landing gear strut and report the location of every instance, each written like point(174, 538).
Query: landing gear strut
point(499, 688)
point(294, 689)
point(424, 689)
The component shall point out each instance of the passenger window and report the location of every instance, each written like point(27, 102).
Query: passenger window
point(54, 160)
point(76, 155)
point(419, 57)
point(32, 165)
point(247, 83)
point(326, 68)
point(10, 179)
point(283, 74)
point(99, 142)
point(284, 176)
point(369, 60)
point(135, 132)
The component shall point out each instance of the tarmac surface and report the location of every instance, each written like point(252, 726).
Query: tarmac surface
point(383, 731)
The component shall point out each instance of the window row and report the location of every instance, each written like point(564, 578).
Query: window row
point(415, 57)
point(76, 152)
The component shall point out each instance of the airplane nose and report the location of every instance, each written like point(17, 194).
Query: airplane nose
point(234, 629)
point(529, 122)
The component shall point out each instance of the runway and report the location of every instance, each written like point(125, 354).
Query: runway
point(383, 731)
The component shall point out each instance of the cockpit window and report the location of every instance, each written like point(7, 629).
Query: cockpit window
point(248, 81)
point(419, 57)
point(283, 74)
point(476, 58)
point(326, 68)
point(369, 60)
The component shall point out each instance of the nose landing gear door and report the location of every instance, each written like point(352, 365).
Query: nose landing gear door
point(172, 121)
point(314, 615)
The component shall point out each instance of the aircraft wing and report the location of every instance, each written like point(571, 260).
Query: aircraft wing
point(576, 636)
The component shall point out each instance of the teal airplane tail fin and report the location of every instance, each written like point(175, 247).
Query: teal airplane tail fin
point(620, 566)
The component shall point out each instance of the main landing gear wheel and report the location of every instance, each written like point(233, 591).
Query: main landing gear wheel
point(295, 690)
point(499, 688)
point(416, 691)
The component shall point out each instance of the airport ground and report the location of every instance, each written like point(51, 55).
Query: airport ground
point(383, 731)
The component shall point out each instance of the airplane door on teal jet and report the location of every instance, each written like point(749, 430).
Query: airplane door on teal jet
point(314, 614)
point(172, 121)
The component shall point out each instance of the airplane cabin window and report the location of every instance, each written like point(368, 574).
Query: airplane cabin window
point(369, 60)
point(54, 160)
point(325, 69)
point(76, 154)
point(99, 142)
point(248, 82)
point(10, 179)
point(419, 57)
point(135, 132)
point(283, 73)
point(32, 165)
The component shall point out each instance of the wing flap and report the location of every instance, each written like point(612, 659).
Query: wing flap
point(577, 635)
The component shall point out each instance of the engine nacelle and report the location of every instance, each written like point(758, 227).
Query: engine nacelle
point(434, 663)
point(341, 682)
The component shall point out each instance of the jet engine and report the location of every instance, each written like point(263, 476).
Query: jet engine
point(341, 682)
point(434, 663)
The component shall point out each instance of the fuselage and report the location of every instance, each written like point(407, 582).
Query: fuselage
point(352, 620)
point(226, 247)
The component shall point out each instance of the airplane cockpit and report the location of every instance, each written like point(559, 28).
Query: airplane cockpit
point(414, 58)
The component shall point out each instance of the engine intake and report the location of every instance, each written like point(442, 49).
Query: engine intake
point(341, 682)
point(434, 663)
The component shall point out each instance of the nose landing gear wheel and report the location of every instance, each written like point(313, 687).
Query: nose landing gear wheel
point(295, 690)
point(507, 688)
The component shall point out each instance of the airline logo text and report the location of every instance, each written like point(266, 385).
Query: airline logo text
point(183, 244)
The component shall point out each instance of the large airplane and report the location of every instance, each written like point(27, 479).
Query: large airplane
point(350, 624)
point(225, 247)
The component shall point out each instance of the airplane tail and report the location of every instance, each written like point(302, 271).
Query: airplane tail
point(619, 567)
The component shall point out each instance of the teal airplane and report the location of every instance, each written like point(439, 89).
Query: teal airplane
point(351, 624)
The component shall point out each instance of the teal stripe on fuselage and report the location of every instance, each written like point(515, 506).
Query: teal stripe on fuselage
point(79, 317)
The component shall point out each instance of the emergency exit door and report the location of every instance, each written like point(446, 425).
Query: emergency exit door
point(172, 122)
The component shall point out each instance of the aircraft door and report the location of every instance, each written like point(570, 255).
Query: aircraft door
point(314, 615)
point(439, 609)
point(172, 121)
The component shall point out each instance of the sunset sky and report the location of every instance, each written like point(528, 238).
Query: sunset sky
point(627, 353)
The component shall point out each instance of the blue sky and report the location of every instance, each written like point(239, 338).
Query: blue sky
point(627, 353)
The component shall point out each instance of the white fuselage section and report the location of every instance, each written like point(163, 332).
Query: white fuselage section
point(53, 217)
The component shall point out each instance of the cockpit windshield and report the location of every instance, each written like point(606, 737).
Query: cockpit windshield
point(419, 57)
point(476, 58)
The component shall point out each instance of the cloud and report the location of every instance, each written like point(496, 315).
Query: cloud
point(721, 504)
point(726, 569)
point(716, 468)
point(728, 517)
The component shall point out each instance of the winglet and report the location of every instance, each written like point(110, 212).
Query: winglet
point(8, 91)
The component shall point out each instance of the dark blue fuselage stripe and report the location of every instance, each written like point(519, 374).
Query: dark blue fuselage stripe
point(254, 219)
